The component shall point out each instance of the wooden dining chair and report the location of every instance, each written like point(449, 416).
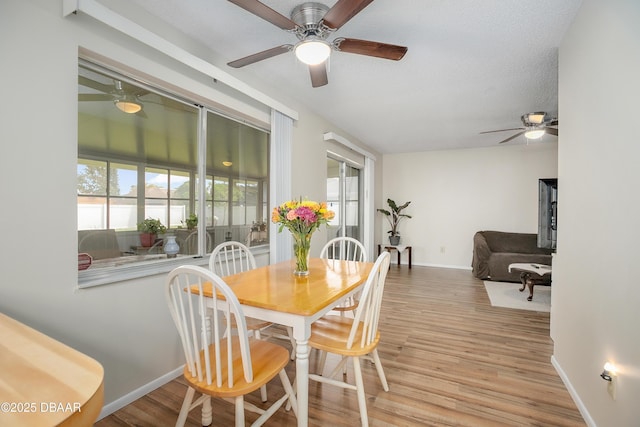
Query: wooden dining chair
point(355, 338)
point(350, 249)
point(234, 257)
point(219, 364)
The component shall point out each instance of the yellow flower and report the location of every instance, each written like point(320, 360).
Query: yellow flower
point(310, 204)
point(275, 215)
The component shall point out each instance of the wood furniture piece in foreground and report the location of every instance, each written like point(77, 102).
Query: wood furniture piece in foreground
point(355, 338)
point(45, 383)
point(532, 274)
point(216, 365)
point(399, 248)
point(275, 294)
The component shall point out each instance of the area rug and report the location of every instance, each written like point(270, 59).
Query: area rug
point(504, 294)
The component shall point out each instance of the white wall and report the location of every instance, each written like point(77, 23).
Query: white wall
point(125, 326)
point(455, 193)
point(595, 294)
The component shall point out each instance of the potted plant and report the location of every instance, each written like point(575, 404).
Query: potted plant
point(191, 222)
point(394, 216)
point(149, 230)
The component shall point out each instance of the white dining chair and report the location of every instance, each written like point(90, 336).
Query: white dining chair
point(235, 257)
point(350, 249)
point(218, 364)
point(354, 338)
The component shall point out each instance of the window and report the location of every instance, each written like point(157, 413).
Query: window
point(344, 190)
point(139, 157)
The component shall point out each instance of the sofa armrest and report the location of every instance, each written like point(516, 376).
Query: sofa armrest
point(481, 254)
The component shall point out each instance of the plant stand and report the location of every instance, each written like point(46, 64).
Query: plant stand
point(400, 249)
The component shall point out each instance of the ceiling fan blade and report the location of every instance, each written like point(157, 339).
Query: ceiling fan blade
point(266, 13)
point(318, 75)
point(500, 130)
point(87, 82)
point(343, 11)
point(269, 53)
point(551, 131)
point(511, 137)
point(370, 48)
point(94, 97)
point(553, 122)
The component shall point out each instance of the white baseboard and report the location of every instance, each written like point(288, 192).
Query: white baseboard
point(455, 267)
point(112, 407)
point(574, 395)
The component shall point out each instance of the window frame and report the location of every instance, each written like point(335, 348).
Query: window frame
point(123, 271)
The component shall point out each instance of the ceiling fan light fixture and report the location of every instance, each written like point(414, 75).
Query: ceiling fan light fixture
point(312, 52)
point(128, 105)
point(536, 118)
point(534, 133)
point(227, 163)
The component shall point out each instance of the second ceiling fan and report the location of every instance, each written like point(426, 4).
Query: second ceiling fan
point(535, 125)
point(312, 23)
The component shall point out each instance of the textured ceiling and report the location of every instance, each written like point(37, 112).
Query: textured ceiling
point(472, 65)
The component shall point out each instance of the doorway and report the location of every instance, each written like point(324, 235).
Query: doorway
point(344, 197)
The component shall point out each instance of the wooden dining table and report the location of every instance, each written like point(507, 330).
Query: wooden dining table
point(44, 382)
point(273, 293)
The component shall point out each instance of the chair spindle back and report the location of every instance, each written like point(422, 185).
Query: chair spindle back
point(345, 248)
point(202, 341)
point(368, 312)
point(230, 258)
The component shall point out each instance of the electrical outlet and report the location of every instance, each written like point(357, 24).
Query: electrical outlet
point(442, 249)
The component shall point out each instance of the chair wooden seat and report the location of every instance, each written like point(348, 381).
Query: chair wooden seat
point(267, 358)
point(348, 304)
point(257, 324)
point(331, 334)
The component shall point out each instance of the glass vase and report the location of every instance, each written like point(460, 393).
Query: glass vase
point(301, 246)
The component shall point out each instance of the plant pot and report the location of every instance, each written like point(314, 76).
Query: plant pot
point(147, 240)
point(394, 240)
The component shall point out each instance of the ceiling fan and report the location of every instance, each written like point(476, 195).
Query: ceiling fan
point(535, 126)
point(126, 99)
point(312, 23)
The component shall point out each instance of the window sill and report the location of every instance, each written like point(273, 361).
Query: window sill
point(113, 270)
point(103, 272)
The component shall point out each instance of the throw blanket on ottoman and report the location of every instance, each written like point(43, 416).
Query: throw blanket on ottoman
point(493, 251)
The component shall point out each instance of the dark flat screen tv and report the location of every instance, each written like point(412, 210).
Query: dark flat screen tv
point(547, 213)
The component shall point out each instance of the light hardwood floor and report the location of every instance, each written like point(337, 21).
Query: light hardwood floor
point(450, 359)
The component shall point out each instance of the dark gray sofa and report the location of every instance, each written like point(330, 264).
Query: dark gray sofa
point(493, 251)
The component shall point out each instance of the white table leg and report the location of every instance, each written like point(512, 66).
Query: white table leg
point(302, 381)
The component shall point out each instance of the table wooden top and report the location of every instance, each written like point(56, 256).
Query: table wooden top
point(43, 382)
point(275, 287)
